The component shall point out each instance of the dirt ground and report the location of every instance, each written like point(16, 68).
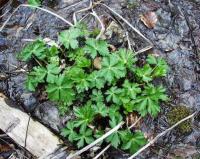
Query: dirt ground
point(175, 37)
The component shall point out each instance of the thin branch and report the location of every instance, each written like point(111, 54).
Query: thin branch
point(161, 134)
point(84, 17)
point(96, 141)
point(130, 127)
point(102, 152)
point(4, 14)
point(82, 10)
point(72, 5)
point(129, 24)
point(107, 147)
point(143, 50)
point(129, 43)
point(136, 30)
point(102, 25)
point(30, 6)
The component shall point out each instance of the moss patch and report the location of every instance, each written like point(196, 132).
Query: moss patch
point(178, 113)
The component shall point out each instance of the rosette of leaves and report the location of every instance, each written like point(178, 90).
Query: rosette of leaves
point(100, 97)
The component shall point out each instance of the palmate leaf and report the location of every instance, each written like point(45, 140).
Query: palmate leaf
point(145, 73)
point(52, 71)
point(69, 132)
point(100, 108)
point(61, 90)
point(97, 96)
point(85, 136)
point(94, 46)
point(132, 141)
point(37, 48)
point(85, 115)
point(148, 102)
point(83, 62)
point(113, 95)
point(114, 138)
point(131, 89)
point(74, 54)
point(79, 78)
point(127, 57)
point(36, 76)
point(96, 80)
point(82, 82)
point(69, 37)
point(160, 65)
point(113, 111)
point(112, 68)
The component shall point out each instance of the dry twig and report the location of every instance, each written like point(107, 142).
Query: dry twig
point(96, 141)
point(102, 25)
point(131, 26)
point(161, 134)
point(30, 6)
point(82, 10)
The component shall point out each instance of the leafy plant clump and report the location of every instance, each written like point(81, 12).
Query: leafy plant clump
point(101, 96)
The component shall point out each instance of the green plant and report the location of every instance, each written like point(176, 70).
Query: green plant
point(34, 2)
point(101, 98)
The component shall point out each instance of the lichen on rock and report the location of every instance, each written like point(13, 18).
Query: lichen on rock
point(178, 113)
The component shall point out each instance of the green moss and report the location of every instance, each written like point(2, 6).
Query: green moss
point(132, 4)
point(178, 113)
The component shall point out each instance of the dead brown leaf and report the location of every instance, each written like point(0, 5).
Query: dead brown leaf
point(97, 63)
point(149, 19)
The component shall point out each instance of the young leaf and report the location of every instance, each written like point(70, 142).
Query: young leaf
point(112, 68)
point(94, 46)
point(85, 136)
point(74, 72)
point(97, 96)
point(69, 38)
point(53, 51)
point(113, 95)
point(82, 62)
point(85, 115)
point(101, 109)
point(114, 111)
point(131, 89)
point(132, 142)
point(148, 102)
point(160, 65)
point(127, 57)
point(145, 73)
point(61, 90)
point(69, 132)
point(37, 48)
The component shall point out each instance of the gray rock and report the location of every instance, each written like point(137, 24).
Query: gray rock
point(48, 113)
point(29, 101)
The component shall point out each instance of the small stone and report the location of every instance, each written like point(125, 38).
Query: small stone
point(29, 101)
point(48, 113)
